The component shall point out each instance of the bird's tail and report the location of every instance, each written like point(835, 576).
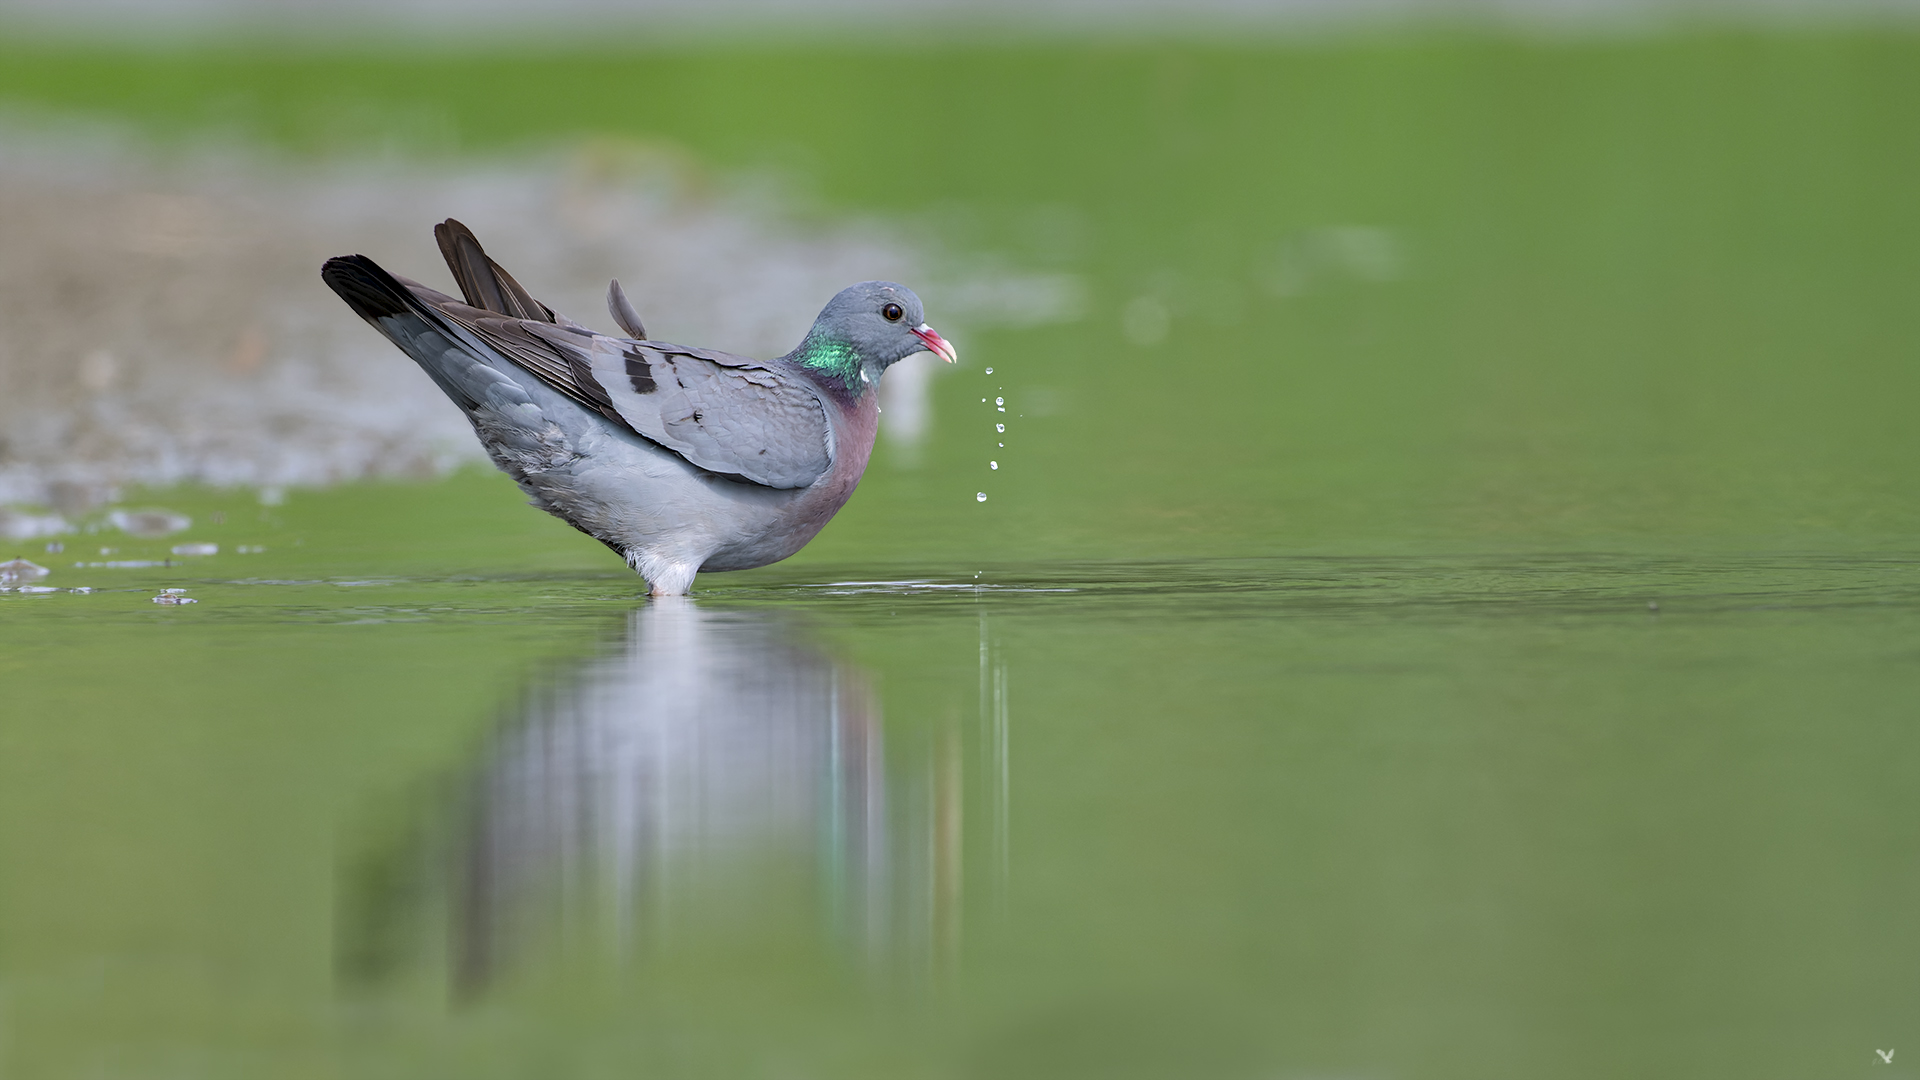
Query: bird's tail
point(376, 294)
point(405, 312)
point(370, 291)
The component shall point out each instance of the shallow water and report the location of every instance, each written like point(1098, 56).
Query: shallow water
point(1574, 815)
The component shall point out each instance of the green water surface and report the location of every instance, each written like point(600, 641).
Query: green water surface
point(1451, 608)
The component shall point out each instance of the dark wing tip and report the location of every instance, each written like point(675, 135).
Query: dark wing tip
point(370, 291)
point(485, 283)
point(450, 234)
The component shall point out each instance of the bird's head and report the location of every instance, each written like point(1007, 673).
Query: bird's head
point(866, 329)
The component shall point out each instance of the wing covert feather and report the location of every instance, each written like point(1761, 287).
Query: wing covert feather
point(725, 413)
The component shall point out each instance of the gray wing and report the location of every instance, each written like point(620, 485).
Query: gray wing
point(721, 412)
point(726, 414)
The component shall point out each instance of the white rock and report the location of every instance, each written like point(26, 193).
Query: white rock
point(21, 570)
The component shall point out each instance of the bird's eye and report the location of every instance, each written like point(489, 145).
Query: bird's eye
point(892, 312)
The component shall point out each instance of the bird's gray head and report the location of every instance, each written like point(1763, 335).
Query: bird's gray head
point(866, 329)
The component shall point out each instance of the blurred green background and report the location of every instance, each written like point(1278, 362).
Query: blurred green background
point(1414, 366)
point(1642, 291)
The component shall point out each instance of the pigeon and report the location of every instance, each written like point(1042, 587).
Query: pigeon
point(680, 459)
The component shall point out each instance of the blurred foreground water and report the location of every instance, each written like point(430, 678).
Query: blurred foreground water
point(1291, 817)
point(1446, 601)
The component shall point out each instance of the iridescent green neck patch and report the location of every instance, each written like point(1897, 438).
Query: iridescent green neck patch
point(830, 357)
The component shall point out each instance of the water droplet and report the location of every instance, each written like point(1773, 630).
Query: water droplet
point(993, 464)
point(989, 371)
point(1001, 428)
point(1003, 409)
point(999, 401)
point(983, 401)
point(982, 497)
point(1002, 446)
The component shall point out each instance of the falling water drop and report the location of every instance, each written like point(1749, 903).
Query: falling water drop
point(1001, 428)
point(989, 371)
point(999, 401)
point(993, 464)
point(982, 497)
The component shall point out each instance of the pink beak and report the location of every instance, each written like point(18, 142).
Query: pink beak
point(935, 344)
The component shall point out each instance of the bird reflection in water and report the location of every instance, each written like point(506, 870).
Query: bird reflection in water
point(714, 763)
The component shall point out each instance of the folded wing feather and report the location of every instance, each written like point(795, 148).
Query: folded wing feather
point(725, 413)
